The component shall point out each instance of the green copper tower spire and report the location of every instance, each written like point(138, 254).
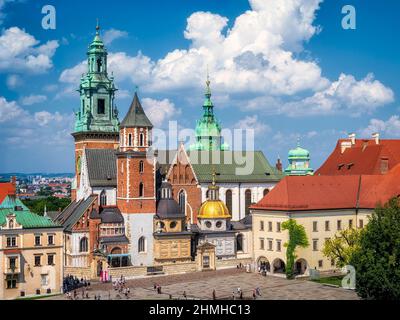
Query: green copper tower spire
point(97, 112)
point(299, 162)
point(208, 128)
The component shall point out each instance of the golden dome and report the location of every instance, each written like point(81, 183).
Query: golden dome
point(214, 209)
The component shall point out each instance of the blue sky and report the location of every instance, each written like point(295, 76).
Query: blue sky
point(285, 68)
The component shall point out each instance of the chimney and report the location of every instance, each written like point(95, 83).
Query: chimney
point(279, 165)
point(376, 137)
point(352, 137)
point(14, 180)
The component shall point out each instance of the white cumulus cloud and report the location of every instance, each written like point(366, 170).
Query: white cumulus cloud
point(20, 51)
point(256, 59)
point(112, 35)
point(33, 99)
point(159, 111)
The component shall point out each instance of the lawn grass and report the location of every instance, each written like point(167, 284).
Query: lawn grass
point(335, 280)
point(39, 297)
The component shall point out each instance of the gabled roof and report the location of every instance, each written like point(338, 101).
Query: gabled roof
point(363, 157)
point(303, 193)
point(102, 167)
point(136, 116)
point(71, 214)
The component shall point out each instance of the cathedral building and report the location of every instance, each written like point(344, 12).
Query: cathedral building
point(244, 177)
point(132, 207)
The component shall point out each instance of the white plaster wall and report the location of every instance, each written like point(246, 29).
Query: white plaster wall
point(138, 225)
point(238, 195)
point(111, 195)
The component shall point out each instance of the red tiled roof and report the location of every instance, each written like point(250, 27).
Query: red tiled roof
point(364, 157)
point(6, 188)
point(301, 193)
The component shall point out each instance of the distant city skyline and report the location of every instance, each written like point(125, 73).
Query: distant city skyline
point(295, 73)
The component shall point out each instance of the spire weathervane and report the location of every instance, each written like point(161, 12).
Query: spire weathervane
point(97, 26)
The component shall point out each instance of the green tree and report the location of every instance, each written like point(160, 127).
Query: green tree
point(297, 238)
point(51, 203)
point(341, 247)
point(377, 260)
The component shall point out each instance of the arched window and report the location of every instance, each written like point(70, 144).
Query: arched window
point(103, 198)
point(266, 191)
point(142, 245)
point(141, 140)
point(239, 242)
point(228, 200)
point(130, 140)
point(208, 194)
point(141, 190)
point(141, 167)
point(247, 199)
point(182, 201)
point(11, 224)
point(83, 245)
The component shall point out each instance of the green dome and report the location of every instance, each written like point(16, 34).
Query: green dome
point(299, 153)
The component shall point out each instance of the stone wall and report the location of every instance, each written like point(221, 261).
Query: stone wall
point(78, 272)
point(171, 269)
point(226, 264)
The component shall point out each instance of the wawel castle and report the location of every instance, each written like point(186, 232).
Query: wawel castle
point(137, 211)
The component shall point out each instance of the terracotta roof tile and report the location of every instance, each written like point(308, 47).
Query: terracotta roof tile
point(364, 157)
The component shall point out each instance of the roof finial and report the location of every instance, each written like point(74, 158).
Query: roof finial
point(298, 141)
point(214, 175)
point(208, 82)
point(97, 26)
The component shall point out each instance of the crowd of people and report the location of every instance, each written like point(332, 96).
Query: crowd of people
point(71, 283)
point(120, 286)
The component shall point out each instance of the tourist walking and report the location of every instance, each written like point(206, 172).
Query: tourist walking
point(214, 295)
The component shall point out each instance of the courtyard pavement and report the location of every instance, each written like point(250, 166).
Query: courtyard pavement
point(200, 286)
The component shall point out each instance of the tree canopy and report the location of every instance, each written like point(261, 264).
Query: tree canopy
point(51, 203)
point(377, 260)
point(341, 247)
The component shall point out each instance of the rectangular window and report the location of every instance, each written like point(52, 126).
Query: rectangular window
point(339, 225)
point(50, 239)
point(361, 223)
point(38, 261)
point(12, 263)
point(315, 245)
point(50, 259)
point(320, 264)
point(269, 226)
point(332, 263)
point(101, 106)
point(11, 284)
point(261, 225)
point(278, 227)
point(261, 244)
point(44, 280)
point(315, 226)
point(351, 223)
point(11, 242)
point(327, 226)
point(270, 245)
point(37, 241)
point(278, 245)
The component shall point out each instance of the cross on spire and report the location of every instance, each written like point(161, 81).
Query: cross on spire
point(97, 26)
